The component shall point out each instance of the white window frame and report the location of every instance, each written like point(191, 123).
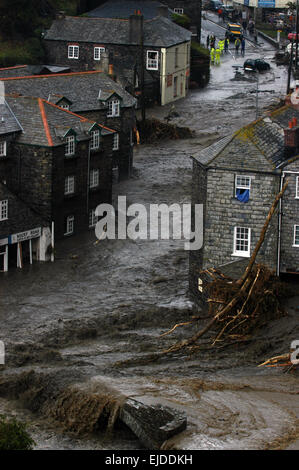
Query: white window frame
point(243, 184)
point(179, 11)
point(297, 187)
point(242, 253)
point(73, 51)
point(3, 148)
point(95, 139)
point(4, 209)
point(92, 218)
point(94, 178)
point(69, 185)
point(152, 63)
point(113, 108)
point(64, 106)
point(97, 51)
point(70, 223)
point(115, 141)
point(70, 145)
point(296, 228)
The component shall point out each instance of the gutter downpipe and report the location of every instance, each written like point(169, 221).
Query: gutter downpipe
point(280, 217)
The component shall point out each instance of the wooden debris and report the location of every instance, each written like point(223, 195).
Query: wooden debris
point(153, 130)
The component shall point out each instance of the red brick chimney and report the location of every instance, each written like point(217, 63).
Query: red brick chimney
point(291, 138)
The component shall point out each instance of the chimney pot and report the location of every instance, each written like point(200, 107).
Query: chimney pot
point(294, 121)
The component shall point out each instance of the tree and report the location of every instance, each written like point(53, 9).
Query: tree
point(14, 435)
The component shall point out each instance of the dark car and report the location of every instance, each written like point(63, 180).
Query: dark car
point(214, 5)
point(256, 64)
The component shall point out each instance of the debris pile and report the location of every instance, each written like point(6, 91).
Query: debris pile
point(284, 360)
point(153, 130)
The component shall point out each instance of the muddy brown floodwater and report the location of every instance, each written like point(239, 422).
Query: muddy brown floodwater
point(83, 329)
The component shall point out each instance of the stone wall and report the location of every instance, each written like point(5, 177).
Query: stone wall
point(290, 216)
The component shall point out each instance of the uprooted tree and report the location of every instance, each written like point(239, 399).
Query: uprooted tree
point(237, 307)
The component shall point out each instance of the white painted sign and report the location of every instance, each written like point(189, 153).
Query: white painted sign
point(21, 237)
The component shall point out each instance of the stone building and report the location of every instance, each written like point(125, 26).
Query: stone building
point(93, 95)
point(55, 166)
point(236, 179)
point(152, 54)
point(23, 232)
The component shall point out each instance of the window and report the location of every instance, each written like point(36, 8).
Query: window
point(179, 11)
point(242, 188)
point(176, 57)
point(73, 52)
point(94, 178)
point(93, 218)
point(242, 241)
point(95, 139)
point(69, 185)
point(4, 209)
point(297, 187)
point(69, 225)
point(97, 52)
point(64, 106)
point(296, 235)
point(175, 87)
point(70, 145)
point(152, 60)
point(115, 142)
point(113, 108)
point(3, 148)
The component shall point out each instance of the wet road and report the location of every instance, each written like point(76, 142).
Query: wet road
point(102, 304)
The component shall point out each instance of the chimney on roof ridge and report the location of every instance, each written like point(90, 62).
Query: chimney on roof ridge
point(291, 138)
point(162, 10)
point(60, 15)
point(136, 27)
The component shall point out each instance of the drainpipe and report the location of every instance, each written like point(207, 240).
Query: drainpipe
point(280, 218)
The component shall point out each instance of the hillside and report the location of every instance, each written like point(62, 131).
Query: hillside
point(22, 23)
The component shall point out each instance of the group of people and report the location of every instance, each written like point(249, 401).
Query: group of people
point(216, 52)
point(240, 43)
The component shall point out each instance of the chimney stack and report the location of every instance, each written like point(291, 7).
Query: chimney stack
point(291, 138)
point(136, 27)
point(60, 15)
point(163, 11)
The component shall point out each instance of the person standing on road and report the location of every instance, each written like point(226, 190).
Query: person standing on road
point(237, 45)
point(243, 47)
point(226, 43)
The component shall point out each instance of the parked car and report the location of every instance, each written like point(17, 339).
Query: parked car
point(234, 31)
point(256, 64)
point(214, 5)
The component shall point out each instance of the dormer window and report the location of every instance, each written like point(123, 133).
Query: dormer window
point(3, 148)
point(70, 145)
point(113, 108)
point(95, 139)
point(64, 106)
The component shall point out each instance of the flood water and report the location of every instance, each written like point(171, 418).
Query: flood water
point(94, 317)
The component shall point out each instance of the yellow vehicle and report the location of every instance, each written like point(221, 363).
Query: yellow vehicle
point(234, 31)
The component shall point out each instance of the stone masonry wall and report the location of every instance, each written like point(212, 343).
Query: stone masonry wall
point(224, 212)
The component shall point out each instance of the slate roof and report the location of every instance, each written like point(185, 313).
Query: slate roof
point(123, 9)
point(158, 31)
point(22, 70)
point(8, 121)
point(80, 88)
point(45, 124)
point(264, 136)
